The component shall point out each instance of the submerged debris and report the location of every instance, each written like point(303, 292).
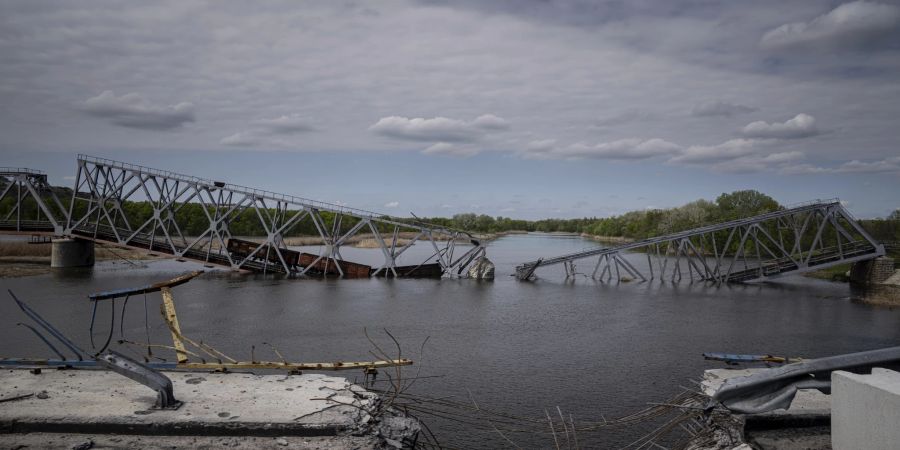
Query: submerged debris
point(483, 269)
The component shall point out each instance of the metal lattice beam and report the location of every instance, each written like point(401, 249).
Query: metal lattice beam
point(36, 208)
point(803, 238)
point(103, 187)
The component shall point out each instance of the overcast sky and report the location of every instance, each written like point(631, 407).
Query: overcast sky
point(518, 108)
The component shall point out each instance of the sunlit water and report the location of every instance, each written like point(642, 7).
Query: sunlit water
point(590, 348)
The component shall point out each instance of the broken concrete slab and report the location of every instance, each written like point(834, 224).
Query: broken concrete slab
point(215, 404)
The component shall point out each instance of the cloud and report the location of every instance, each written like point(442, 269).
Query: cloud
point(450, 149)
point(133, 111)
point(287, 124)
point(540, 146)
point(623, 118)
point(885, 165)
point(852, 24)
point(264, 132)
point(438, 129)
point(252, 138)
point(393, 204)
point(801, 126)
point(759, 163)
point(490, 122)
point(623, 149)
point(709, 154)
point(720, 108)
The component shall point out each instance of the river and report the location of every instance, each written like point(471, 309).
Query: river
point(590, 348)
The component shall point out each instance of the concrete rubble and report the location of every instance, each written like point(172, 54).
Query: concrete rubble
point(97, 409)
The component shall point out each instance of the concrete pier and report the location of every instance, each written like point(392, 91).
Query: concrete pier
point(249, 410)
point(873, 271)
point(72, 253)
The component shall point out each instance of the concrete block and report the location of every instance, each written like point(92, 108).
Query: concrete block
point(72, 253)
point(865, 410)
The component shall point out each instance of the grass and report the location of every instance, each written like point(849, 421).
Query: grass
point(834, 273)
point(17, 251)
point(22, 249)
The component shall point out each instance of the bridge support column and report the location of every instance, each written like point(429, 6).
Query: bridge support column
point(873, 271)
point(72, 253)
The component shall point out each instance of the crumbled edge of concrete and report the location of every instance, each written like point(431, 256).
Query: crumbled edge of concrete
point(732, 431)
point(390, 426)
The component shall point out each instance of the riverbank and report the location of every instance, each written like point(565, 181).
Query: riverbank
point(21, 259)
point(607, 239)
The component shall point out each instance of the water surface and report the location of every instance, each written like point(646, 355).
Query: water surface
point(590, 348)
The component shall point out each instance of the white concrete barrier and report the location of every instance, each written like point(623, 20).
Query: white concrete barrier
point(865, 410)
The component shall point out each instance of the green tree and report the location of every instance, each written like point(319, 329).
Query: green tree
point(739, 204)
point(894, 215)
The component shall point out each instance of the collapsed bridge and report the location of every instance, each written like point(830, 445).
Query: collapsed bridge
point(803, 238)
point(99, 211)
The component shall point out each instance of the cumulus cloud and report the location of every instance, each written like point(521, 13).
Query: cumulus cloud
point(849, 25)
point(266, 132)
point(251, 139)
point(393, 204)
point(759, 163)
point(709, 154)
point(438, 129)
point(287, 124)
point(133, 111)
point(885, 165)
point(540, 146)
point(801, 126)
point(452, 149)
point(623, 149)
point(490, 122)
point(720, 108)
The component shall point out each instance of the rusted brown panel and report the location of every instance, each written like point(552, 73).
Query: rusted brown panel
point(242, 248)
point(423, 271)
point(328, 266)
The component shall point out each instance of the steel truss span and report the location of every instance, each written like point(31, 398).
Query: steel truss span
point(98, 211)
point(803, 238)
point(36, 208)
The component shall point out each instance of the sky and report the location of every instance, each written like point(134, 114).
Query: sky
point(517, 108)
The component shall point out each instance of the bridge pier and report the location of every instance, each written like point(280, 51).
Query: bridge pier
point(872, 271)
point(72, 253)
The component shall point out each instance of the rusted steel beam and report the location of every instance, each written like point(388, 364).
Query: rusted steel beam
point(315, 366)
point(179, 280)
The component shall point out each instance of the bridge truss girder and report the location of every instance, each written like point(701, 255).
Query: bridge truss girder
point(26, 186)
point(800, 239)
point(102, 188)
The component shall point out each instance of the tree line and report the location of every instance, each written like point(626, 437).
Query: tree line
point(193, 220)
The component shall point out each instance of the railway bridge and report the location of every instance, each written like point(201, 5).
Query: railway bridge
point(802, 238)
point(98, 210)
